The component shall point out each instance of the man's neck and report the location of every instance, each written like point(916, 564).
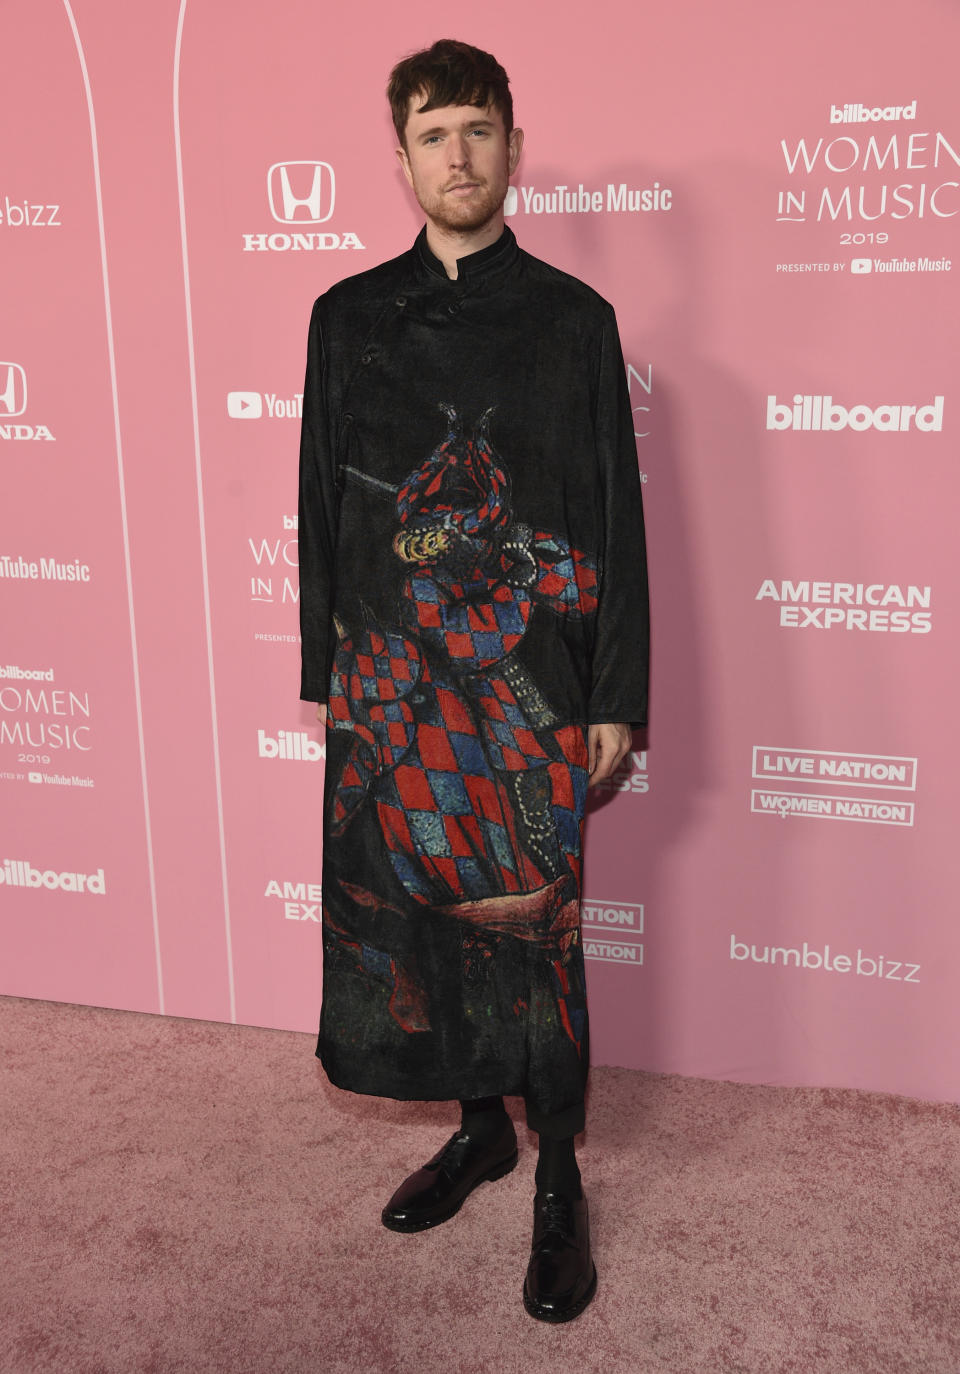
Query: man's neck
point(449, 245)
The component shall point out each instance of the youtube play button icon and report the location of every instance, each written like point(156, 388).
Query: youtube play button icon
point(244, 405)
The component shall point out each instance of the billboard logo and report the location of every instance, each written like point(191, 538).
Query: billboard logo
point(510, 201)
point(859, 265)
point(864, 114)
point(290, 744)
point(244, 405)
point(301, 192)
point(11, 670)
point(823, 413)
point(20, 873)
point(13, 389)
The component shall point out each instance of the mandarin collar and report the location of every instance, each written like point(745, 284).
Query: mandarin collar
point(475, 267)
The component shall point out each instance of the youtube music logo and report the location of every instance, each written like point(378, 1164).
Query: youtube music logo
point(252, 405)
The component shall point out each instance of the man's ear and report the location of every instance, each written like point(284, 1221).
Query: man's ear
point(405, 164)
point(515, 147)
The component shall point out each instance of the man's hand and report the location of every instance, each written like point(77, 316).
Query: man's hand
point(322, 712)
point(606, 746)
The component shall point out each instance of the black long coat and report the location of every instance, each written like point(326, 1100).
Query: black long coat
point(473, 595)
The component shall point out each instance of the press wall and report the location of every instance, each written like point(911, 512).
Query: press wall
point(769, 197)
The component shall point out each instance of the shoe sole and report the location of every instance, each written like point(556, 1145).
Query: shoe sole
point(407, 1227)
point(551, 1314)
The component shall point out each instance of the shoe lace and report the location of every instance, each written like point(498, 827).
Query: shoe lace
point(555, 1210)
point(451, 1156)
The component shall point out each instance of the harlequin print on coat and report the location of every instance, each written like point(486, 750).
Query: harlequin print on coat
point(478, 792)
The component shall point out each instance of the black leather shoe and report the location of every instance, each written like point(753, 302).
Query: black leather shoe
point(437, 1191)
point(561, 1276)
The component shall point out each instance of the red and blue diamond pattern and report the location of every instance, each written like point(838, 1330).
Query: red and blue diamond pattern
point(372, 675)
point(471, 622)
point(448, 823)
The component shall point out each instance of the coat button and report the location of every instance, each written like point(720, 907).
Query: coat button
point(401, 301)
point(453, 308)
point(366, 359)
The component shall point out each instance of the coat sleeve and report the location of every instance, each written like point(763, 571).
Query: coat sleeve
point(620, 661)
point(316, 522)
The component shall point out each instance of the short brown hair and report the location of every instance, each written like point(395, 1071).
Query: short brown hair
point(449, 73)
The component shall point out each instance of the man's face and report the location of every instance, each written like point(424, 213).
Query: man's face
point(459, 160)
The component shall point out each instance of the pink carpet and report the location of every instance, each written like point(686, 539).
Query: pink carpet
point(189, 1196)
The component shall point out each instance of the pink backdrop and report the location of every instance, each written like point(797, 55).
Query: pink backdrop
point(771, 882)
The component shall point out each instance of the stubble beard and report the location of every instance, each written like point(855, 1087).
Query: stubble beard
point(464, 217)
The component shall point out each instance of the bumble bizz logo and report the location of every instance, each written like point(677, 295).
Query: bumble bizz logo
point(821, 958)
point(301, 196)
point(23, 214)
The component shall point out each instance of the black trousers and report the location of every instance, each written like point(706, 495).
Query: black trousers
point(557, 1125)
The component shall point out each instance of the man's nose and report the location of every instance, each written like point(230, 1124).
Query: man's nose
point(458, 152)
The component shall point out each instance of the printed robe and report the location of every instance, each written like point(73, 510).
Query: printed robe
point(473, 595)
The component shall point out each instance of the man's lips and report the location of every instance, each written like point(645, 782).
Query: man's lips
point(463, 186)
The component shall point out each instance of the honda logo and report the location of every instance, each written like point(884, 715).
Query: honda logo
point(13, 389)
point(301, 192)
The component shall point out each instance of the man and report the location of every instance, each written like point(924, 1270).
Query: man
point(474, 627)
